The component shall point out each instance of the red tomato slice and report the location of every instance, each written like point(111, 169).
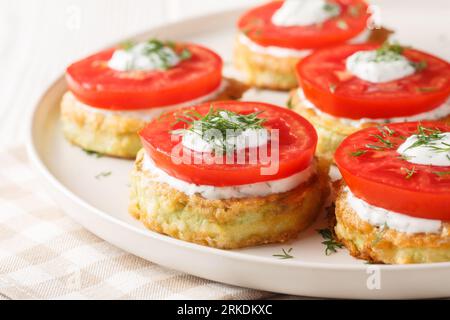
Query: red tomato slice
point(322, 79)
point(383, 179)
point(297, 145)
point(257, 25)
point(95, 84)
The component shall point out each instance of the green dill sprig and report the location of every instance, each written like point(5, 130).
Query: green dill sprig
point(286, 254)
point(161, 52)
point(386, 131)
point(103, 175)
point(380, 234)
point(420, 65)
point(224, 121)
point(426, 137)
point(331, 244)
point(409, 172)
point(290, 104)
point(387, 144)
point(332, 87)
point(93, 153)
point(358, 153)
point(342, 24)
point(332, 8)
point(404, 157)
point(441, 173)
point(389, 52)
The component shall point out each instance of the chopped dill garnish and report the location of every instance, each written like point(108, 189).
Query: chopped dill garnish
point(358, 153)
point(387, 144)
point(331, 245)
point(426, 137)
point(341, 24)
point(103, 175)
point(285, 254)
point(420, 65)
point(332, 87)
point(380, 234)
point(409, 172)
point(332, 8)
point(388, 52)
point(289, 104)
point(441, 173)
point(93, 153)
point(185, 54)
point(224, 121)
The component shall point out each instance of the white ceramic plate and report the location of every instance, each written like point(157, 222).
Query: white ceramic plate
point(100, 205)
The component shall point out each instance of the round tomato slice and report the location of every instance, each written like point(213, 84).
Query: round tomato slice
point(97, 85)
point(375, 172)
point(257, 25)
point(297, 143)
point(331, 88)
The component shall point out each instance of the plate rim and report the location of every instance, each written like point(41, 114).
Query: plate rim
point(43, 171)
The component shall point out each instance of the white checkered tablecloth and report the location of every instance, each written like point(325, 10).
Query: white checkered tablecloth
point(46, 255)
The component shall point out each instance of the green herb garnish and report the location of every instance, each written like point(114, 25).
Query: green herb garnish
point(358, 153)
point(285, 254)
point(93, 153)
point(419, 66)
point(161, 53)
point(341, 24)
point(289, 104)
point(387, 144)
point(388, 52)
point(380, 234)
point(441, 173)
point(127, 45)
point(386, 131)
point(375, 147)
point(332, 8)
point(331, 245)
point(426, 137)
point(332, 87)
point(223, 121)
point(409, 172)
point(103, 175)
point(185, 54)
point(355, 10)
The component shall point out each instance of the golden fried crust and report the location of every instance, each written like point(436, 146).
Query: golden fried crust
point(331, 131)
point(384, 245)
point(226, 224)
point(263, 70)
point(115, 134)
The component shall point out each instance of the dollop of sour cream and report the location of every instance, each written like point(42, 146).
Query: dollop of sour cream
point(259, 189)
point(368, 66)
point(304, 12)
point(142, 57)
point(436, 152)
point(381, 217)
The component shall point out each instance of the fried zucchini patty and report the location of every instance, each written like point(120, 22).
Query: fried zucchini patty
point(264, 70)
point(114, 134)
point(385, 245)
point(226, 224)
